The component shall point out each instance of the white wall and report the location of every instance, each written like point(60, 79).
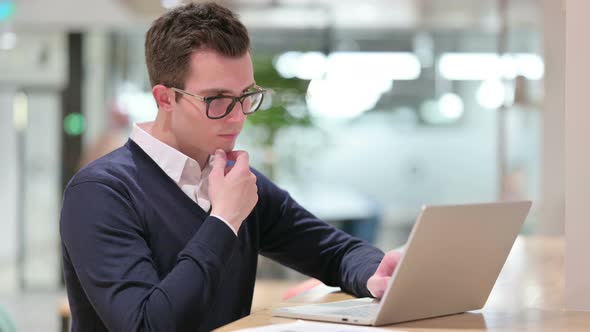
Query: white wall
point(8, 176)
point(94, 95)
point(577, 156)
point(72, 14)
point(553, 165)
point(42, 171)
point(38, 67)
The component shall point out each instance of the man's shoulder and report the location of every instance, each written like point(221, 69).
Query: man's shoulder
point(115, 167)
point(268, 191)
point(262, 181)
point(106, 186)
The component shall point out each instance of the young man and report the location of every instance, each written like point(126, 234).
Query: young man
point(163, 234)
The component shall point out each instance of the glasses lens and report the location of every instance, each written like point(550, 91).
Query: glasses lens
point(218, 107)
point(252, 102)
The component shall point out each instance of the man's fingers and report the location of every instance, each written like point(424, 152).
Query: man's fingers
point(219, 162)
point(377, 286)
point(388, 264)
point(242, 159)
point(227, 169)
point(233, 155)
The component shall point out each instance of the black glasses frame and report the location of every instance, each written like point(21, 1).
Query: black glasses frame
point(209, 100)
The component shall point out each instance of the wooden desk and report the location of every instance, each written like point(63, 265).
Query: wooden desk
point(528, 296)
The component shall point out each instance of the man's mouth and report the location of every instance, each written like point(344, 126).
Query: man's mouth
point(229, 136)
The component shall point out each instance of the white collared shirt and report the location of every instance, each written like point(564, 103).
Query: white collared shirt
point(182, 169)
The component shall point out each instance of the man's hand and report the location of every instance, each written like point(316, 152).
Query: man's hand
point(377, 284)
point(232, 191)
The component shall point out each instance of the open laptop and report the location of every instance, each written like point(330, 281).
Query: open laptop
point(451, 262)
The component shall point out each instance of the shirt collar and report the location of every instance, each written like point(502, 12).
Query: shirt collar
point(170, 160)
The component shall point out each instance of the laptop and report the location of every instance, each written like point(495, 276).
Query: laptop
point(450, 265)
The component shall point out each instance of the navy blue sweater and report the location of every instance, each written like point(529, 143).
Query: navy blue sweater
point(139, 255)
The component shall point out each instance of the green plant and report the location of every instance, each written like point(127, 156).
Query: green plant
point(285, 95)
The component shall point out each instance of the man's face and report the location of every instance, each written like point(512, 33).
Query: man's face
point(211, 74)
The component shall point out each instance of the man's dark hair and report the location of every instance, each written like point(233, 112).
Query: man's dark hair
point(174, 36)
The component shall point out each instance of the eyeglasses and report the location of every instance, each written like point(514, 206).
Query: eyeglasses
point(220, 106)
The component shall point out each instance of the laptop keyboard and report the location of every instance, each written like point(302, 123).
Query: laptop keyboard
point(364, 311)
point(345, 304)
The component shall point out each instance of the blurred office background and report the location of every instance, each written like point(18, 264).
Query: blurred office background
point(376, 107)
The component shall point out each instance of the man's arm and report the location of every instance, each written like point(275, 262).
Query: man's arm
point(294, 237)
point(106, 244)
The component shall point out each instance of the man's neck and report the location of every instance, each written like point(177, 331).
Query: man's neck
point(160, 130)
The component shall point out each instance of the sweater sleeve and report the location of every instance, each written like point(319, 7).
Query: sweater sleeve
point(104, 240)
point(296, 238)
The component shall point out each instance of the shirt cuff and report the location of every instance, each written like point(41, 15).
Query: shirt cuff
point(225, 222)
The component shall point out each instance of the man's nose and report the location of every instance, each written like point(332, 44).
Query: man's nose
point(236, 114)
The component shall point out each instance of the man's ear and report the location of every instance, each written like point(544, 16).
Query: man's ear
point(164, 97)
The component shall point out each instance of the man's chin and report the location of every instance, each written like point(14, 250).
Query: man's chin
point(225, 147)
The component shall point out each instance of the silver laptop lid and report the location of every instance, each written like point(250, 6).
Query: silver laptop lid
point(453, 258)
